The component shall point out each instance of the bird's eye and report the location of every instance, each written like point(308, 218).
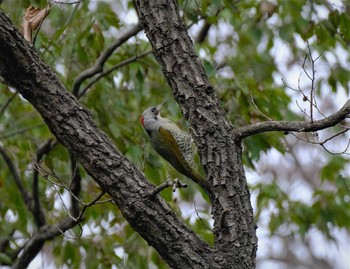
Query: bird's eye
point(153, 109)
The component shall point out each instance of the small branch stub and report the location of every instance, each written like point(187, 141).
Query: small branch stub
point(176, 183)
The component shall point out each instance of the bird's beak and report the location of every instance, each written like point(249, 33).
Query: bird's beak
point(160, 106)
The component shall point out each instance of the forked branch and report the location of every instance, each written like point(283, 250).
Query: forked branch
point(294, 126)
point(98, 66)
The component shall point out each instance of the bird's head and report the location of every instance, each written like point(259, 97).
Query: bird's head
point(150, 118)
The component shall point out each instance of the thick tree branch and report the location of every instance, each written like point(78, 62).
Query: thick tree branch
point(235, 237)
point(203, 32)
point(294, 126)
point(75, 188)
point(21, 67)
point(98, 66)
point(34, 245)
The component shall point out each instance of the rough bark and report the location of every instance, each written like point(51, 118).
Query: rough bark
point(295, 126)
point(217, 140)
point(221, 156)
point(22, 68)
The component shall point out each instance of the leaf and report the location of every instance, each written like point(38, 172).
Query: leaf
point(33, 17)
point(99, 39)
point(331, 170)
point(5, 259)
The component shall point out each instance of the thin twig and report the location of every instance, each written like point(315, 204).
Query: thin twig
point(218, 66)
point(201, 220)
point(46, 174)
point(312, 91)
point(256, 107)
point(335, 135)
point(312, 77)
point(58, 2)
point(21, 131)
point(322, 143)
point(16, 176)
point(93, 202)
point(166, 184)
point(108, 71)
point(345, 184)
point(39, 216)
point(142, 158)
point(8, 103)
point(34, 244)
point(337, 153)
point(302, 110)
point(98, 66)
point(80, 217)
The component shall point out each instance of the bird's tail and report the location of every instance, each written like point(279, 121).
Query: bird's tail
point(205, 185)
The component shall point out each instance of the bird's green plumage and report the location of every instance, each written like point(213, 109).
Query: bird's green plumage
point(173, 145)
point(172, 151)
point(175, 151)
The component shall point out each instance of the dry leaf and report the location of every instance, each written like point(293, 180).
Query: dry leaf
point(33, 17)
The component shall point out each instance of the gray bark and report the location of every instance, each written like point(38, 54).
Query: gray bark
point(22, 68)
point(217, 140)
point(219, 148)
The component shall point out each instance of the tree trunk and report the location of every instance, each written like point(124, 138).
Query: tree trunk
point(219, 148)
point(218, 145)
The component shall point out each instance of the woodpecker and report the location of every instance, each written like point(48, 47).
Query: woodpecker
point(173, 145)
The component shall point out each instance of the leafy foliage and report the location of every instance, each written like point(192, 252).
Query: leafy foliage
point(240, 56)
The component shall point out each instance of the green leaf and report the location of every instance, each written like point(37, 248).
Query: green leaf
point(332, 169)
point(5, 259)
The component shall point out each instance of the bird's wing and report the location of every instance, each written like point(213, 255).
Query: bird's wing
point(179, 144)
point(184, 141)
point(174, 152)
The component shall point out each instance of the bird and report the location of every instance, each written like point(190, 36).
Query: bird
point(174, 145)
